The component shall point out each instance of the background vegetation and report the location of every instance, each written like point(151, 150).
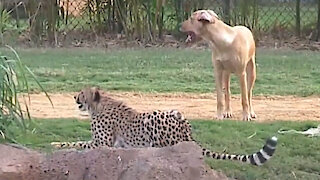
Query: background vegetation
point(148, 20)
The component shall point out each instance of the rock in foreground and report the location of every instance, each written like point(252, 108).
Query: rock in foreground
point(182, 161)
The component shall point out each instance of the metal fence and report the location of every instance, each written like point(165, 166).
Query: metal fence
point(148, 20)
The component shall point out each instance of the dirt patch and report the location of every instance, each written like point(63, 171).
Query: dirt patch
point(193, 106)
point(182, 161)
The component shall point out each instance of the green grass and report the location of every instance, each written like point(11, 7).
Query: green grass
point(281, 72)
point(295, 155)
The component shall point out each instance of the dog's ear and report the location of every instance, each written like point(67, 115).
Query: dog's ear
point(207, 16)
point(213, 13)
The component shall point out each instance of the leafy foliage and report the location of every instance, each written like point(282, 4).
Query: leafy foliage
point(4, 21)
point(12, 81)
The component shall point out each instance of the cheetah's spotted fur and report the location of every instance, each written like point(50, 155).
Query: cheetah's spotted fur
point(114, 124)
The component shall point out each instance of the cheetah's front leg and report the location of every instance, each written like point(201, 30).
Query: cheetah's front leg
point(99, 139)
point(77, 145)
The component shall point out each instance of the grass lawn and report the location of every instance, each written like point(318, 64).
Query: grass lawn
point(296, 155)
point(282, 72)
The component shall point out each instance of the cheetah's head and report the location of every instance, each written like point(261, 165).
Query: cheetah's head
point(87, 98)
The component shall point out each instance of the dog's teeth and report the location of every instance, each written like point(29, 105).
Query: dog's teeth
point(189, 38)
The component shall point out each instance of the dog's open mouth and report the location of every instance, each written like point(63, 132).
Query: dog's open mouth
point(191, 37)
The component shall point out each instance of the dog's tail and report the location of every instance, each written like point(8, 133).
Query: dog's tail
point(257, 158)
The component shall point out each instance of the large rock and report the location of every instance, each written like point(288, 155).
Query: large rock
point(182, 161)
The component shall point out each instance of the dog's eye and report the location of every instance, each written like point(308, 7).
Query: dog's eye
point(192, 20)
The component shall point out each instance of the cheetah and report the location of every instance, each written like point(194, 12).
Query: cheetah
point(114, 124)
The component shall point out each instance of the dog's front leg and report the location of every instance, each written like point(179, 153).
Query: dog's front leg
point(227, 94)
point(244, 96)
point(218, 71)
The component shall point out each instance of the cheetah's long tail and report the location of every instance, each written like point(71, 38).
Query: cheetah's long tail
point(257, 158)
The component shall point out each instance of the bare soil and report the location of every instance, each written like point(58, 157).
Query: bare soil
point(193, 106)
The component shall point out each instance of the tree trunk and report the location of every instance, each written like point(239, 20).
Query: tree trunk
point(161, 23)
point(17, 14)
point(255, 15)
point(34, 8)
point(179, 12)
point(318, 24)
point(121, 17)
point(98, 16)
point(226, 11)
point(52, 12)
point(298, 28)
point(67, 13)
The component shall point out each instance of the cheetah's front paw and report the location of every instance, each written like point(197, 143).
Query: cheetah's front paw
point(57, 145)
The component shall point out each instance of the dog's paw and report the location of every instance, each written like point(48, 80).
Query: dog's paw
point(228, 114)
point(220, 117)
point(253, 115)
point(247, 117)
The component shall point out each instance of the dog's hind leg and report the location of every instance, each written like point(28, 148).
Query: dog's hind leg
point(251, 77)
point(244, 96)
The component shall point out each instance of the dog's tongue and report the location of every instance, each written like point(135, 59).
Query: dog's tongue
point(189, 38)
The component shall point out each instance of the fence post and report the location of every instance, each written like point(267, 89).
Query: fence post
point(298, 17)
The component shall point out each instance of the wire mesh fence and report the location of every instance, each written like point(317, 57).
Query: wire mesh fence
point(149, 20)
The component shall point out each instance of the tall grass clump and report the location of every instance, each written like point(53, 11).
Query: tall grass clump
point(12, 81)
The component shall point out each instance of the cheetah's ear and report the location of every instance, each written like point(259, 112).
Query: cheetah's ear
point(96, 94)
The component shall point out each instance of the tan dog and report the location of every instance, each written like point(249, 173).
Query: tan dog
point(233, 51)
